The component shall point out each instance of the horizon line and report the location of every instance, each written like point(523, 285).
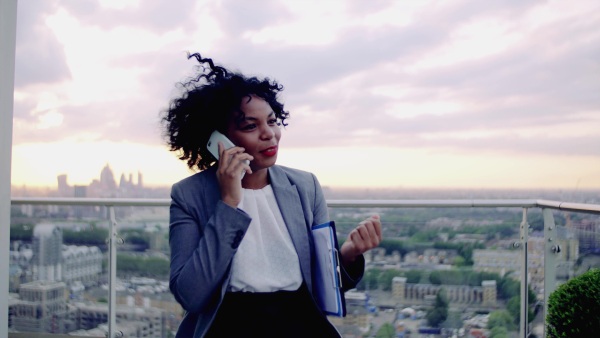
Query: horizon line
point(325, 186)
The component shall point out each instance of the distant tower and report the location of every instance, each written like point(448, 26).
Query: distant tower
point(80, 211)
point(489, 292)
point(47, 252)
point(123, 182)
point(399, 288)
point(140, 181)
point(80, 191)
point(63, 187)
point(107, 179)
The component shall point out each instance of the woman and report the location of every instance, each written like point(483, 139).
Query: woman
point(242, 258)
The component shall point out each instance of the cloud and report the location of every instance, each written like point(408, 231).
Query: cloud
point(40, 57)
point(463, 76)
point(152, 15)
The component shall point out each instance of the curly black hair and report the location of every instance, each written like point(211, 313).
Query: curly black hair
point(208, 101)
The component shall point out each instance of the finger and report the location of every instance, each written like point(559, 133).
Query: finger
point(377, 227)
point(363, 230)
point(245, 167)
point(357, 242)
point(229, 153)
point(221, 150)
point(373, 236)
point(362, 238)
point(237, 168)
point(222, 166)
point(241, 156)
point(241, 162)
point(375, 223)
point(372, 231)
point(228, 157)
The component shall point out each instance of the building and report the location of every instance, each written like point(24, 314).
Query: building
point(47, 252)
point(587, 231)
point(81, 263)
point(498, 261)
point(64, 189)
point(50, 260)
point(509, 261)
point(147, 322)
point(105, 186)
point(42, 307)
point(357, 316)
point(424, 294)
point(490, 292)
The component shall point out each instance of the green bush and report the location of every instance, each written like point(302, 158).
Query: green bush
point(574, 307)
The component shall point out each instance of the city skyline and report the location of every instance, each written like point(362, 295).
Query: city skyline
point(109, 183)
point(65, 178)
point(389, 94)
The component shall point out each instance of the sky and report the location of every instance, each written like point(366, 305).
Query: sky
point(435, 94)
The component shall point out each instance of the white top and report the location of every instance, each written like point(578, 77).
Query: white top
point(266, 259)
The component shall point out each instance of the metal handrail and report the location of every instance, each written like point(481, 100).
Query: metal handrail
point(89, 201)
point(372, 203)
point(525, 204)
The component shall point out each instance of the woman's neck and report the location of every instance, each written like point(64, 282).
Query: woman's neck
point(256, 180)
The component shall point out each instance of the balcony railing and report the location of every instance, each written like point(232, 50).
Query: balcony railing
point(547, 207)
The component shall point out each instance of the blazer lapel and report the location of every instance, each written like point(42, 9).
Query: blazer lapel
point(290, 206)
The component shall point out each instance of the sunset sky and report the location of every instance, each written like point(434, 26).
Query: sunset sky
point(438, 94)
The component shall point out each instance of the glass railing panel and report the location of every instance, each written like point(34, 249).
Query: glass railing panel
point(573, 253)
point(143, 298)
point(57, 265)
point(143, 301)
point(471, 256)
point(463, 261)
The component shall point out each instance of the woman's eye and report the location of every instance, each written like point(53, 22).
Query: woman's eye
point(249, 127)
point(273, 121)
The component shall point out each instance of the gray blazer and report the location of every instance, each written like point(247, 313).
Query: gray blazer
point(204, 235)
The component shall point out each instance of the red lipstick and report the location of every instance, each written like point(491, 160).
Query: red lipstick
point(271, 151)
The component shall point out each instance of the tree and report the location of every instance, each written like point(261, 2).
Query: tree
point(386, 330)
point(370, 280)
point(439, 313)
point(514, 308)
point(142, 266)
point(499, 332)
point(91, 236)
point(391, 245)
point(574, 306)
point(386, 278)
point(413, 276)
point(501, 318)
point(508, 288)
point(459, 261)
point(21, 232)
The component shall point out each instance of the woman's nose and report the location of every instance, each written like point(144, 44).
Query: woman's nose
point(267, 133)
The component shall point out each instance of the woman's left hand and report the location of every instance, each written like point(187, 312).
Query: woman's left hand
point(366, 236)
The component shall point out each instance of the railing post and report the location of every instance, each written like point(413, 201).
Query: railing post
point(551, 249)
point(112, 278)
point(524, 282)
point(8, 36)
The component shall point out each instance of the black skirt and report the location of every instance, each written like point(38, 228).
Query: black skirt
point(284, 314)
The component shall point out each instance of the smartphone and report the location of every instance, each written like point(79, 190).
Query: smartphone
point(213, 145)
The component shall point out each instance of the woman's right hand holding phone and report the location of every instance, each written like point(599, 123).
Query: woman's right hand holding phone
point(232, 163)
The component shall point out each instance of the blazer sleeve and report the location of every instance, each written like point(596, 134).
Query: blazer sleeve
point(201, 250)
point(352, 274)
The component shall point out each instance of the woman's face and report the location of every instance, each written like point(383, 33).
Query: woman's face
point(258, 133)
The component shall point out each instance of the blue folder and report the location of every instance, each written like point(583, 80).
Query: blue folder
point(328, 271)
